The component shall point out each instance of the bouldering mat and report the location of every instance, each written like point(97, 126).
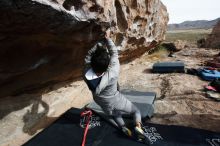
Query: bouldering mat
point(143, 100)
point(168, 67)
point(68, 131)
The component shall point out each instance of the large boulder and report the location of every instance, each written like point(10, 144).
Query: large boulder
point(213, 40)
point(43, 44)
point(45, 41)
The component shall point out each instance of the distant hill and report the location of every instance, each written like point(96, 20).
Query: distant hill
point(199, 24)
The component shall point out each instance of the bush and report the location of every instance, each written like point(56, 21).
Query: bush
point(201, 43)
point(157, 49)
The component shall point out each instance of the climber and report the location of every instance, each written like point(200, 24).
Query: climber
point(101, 75)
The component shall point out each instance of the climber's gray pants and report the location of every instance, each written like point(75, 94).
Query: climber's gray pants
point(131, 109)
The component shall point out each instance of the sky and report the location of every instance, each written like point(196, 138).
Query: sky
point(184, 10)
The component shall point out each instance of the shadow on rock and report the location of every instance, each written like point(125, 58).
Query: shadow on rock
point(36, 110)
point(33, 117)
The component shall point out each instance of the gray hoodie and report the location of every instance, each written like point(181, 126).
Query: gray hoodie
point(106, 94)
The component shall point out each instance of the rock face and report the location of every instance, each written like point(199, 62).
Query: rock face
point(45, 41)
point(43, 44)
point(213, 40)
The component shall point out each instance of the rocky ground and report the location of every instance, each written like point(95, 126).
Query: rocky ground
point(180, 98)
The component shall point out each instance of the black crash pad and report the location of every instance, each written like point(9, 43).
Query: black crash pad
point(66, 131)
point(143, 100)
point(168, 67)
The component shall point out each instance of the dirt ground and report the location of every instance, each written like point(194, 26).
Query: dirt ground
point(181, 99)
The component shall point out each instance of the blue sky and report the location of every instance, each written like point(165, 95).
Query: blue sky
point(182, 10)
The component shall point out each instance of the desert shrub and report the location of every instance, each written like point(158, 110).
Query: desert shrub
point(201, 43)
point(158, 48)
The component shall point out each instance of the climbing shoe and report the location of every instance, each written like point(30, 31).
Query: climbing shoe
point(139, 132)
point(141, 136)
point(126, 131)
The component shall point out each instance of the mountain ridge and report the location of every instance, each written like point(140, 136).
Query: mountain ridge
point(197, 24)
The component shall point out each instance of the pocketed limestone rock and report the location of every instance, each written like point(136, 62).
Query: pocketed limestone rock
point(45, 41)
point(213, 40)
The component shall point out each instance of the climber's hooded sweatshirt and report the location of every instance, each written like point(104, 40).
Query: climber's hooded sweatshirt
point(105, 92)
